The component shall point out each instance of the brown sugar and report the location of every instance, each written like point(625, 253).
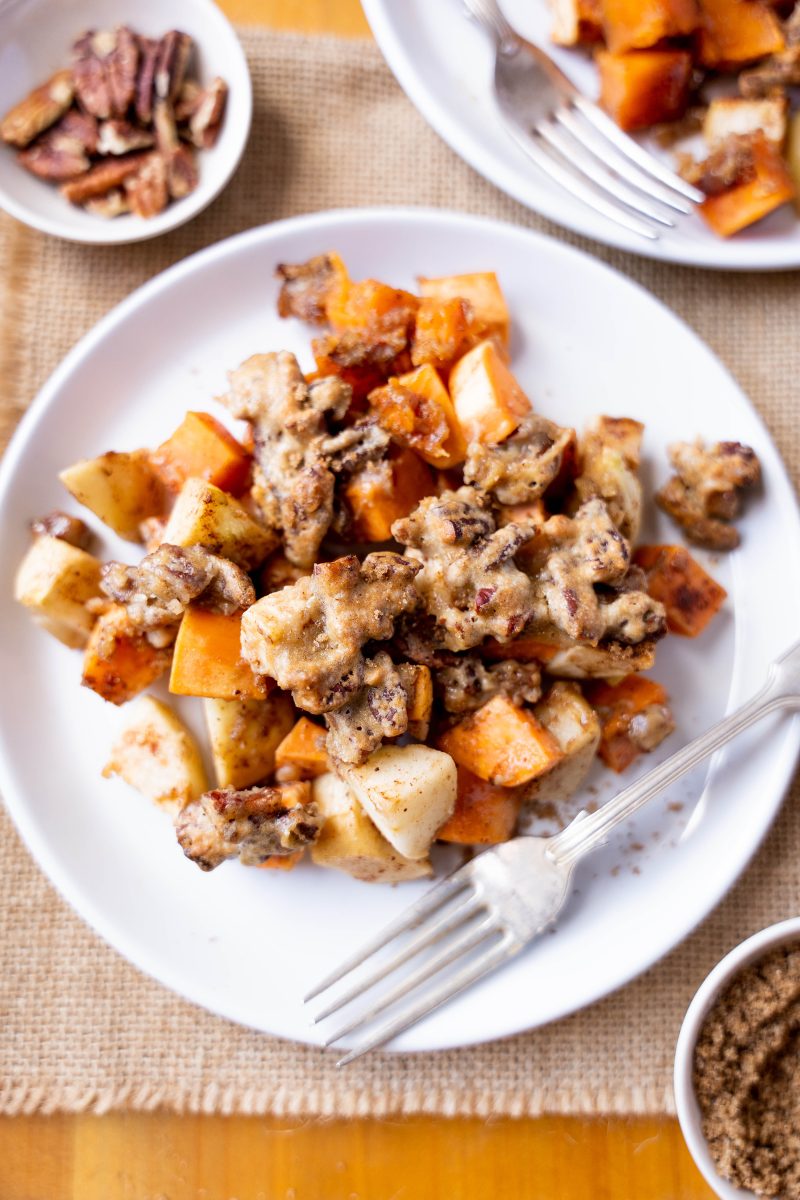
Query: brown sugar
point(747, 1076)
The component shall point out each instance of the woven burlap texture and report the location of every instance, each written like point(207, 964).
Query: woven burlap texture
point(83, 1030)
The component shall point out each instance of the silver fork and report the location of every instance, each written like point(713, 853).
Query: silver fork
point(573, 141)
point(487, 911)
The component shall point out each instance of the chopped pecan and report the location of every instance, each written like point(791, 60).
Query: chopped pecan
point(309, 636)
point(206, 120)
point(157, 592)
point(467, 682)
point(38, 111)
point(147, 191)
point(187, 100)
point(173, 57)
point(116, 136)
point(468, 580)
point(704, 494)
point(293, 482)
point(62, 152)
point(306, 286)
point(182, 175)
point(252, 825)
point(609, 456)
point(145, 79)
point(521, 468)
point(376, 711)
point(65, 527)
point(102, 178)
point(166, 129)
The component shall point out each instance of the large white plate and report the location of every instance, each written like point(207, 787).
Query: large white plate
point(247, 943)
point(443, 61)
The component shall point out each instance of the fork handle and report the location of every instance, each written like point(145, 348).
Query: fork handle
point(585, 833)
point(488, 14)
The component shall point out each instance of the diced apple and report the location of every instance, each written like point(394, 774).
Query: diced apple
point(349, 841)
point(575, 726)
point(244, 736)
point(122, 489)
point(482, 292)
point(54, 581)
point(408, 791)
point(206, 516)
point(576, 22)
point(157, 755)
point(731, 116)
point(488, 401)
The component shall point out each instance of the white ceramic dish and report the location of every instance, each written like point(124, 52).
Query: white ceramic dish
point(747, 952)
point(443, 61)
point(248, 943)
point(35, 40)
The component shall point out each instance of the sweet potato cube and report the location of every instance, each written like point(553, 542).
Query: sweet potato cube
point(488, 401)
point(748, 202)
point(501, 743)
point(484, 295)
point(370, 307)
point(119, 662)
point(425, 381)
point(485, 814)
point(443, 332)
point(303, 748)
point(732, 32)
point(281, 862)
point(523, 649)
point(208, 659)
point(640, 24)
point(644, 87)
point(618, 704)
point(690, 596)
point(382, 493)
point(202, 447)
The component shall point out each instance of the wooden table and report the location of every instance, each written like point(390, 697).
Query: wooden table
point(163, 1157)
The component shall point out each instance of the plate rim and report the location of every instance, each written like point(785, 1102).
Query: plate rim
point(59, 876)
point(458, 136)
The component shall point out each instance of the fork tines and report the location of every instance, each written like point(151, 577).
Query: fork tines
point(452, 918)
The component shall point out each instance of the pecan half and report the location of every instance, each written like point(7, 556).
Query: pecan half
point(147, 190)
point(103, 178)
point(187, 100)
point(173, 56)
point(122, 67)
point(63, 151)
point(116, 137)
point(92, 85)
point(205, 122)
point(145, 80)
point(38, 111)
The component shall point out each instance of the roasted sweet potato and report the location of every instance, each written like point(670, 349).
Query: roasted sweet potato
point(483, 294)
point(202, 447)
point(501, 743)
point(485, 814)
point(417, 411)
point(488, 401)
point(747, 202)
point(282, 862)
point(732, 32)
point(382, 493)
point(208, 660)
point(418, 686)
point(690, 596)
point(523, 649)
point(303, 749)
point(644, 87)
point(444, 331)
point(370, 307)
point(634, 717)
point(640, 24)
point(119, 662)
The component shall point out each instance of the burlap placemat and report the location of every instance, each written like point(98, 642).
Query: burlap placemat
point(83, 1030)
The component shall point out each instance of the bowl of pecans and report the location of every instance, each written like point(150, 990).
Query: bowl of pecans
point(118, 122)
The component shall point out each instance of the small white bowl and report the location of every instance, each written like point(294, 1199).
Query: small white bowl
point(685, 1100)
point(35, 41)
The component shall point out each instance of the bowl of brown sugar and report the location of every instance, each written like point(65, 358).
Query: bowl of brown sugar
point(737, 1069)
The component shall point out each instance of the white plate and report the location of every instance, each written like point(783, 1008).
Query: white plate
point(35, 40)
point(248, 943)
point(443, 61)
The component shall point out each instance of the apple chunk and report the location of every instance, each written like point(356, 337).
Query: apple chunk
point(408, 791)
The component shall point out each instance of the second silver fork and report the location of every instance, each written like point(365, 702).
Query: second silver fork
point(573, 141)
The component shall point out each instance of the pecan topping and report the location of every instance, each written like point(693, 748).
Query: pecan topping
point(145, 80)
point(116, 137)
point(102, 178)
point(171, 62)
point(705, 493)
point(62, 525)
point(206, 119)
point(63, 151)
point(147, 191)
point(252, 825)
point(38, 111)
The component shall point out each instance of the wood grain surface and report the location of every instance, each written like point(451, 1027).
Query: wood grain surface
point(163, 1157)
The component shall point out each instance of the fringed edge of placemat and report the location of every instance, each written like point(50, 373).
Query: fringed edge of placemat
point(215, 1100)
